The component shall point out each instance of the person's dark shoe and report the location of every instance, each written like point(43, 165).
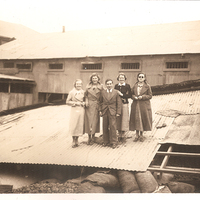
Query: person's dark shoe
point(104, 144)
point(92, 141)
point(114, 146)
point(136, 138)
point(142, 138)
point(123, 140)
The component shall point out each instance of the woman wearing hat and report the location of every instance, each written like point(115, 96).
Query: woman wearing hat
point(124, 91)
point(92, 118)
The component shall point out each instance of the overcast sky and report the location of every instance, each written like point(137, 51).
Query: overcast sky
point(50, 15)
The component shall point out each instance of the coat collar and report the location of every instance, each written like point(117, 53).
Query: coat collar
point(143, 90)
point(122, 84)
point(89, 86)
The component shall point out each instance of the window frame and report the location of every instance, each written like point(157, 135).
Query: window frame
point(165, 69)
point(55, 70)
point(91, 70)
point(131, 70)
point(24, 70)
point(6, 62)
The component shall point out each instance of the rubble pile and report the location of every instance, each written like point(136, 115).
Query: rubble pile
point(112, 182)
point(49, 187)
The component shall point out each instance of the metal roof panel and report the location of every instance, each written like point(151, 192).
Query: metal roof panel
point(172, 38)
point(40, 136)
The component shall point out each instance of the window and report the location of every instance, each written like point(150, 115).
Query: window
point(56, 66)
point(92, 66)
point(130, 66)
point(24, 66)
point(20, 88)
point(9, 65)
point(177, 65)
point(4, 87)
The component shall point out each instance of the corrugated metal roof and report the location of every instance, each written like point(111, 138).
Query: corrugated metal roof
point(3, 76)
point(172, 38)
point(13, 30)
point(41, 136)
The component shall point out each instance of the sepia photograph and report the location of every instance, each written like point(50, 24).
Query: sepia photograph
point(99, 99)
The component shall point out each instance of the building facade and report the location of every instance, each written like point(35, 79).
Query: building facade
point(167, 53)
point(54, 77)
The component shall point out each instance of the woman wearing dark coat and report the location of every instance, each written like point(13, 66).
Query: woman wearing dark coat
point(124, 91)
point(141, 113)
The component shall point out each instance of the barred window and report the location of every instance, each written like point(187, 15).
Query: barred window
point(177, 65)
point(93, 66)
point(23, 66)
point(130, 66)
point(58, 66)
point(9, 65)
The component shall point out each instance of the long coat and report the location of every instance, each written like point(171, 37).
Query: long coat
point(76, 125)
point(92, 118)
point(141, 113)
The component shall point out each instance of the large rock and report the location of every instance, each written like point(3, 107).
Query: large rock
point(146, 181)
point(88, 187)
point(128, 182)
point(180, 187)
point(105, 180)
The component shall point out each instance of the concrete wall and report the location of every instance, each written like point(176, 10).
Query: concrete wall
point(153, 66)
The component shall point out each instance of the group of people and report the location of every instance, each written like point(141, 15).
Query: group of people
point(112, 104)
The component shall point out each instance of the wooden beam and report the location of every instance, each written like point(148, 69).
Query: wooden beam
point(178, 154)
point(170, 169)
point(164, 162)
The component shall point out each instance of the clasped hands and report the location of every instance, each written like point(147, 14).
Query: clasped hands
point(139, 97)
point(79, 104)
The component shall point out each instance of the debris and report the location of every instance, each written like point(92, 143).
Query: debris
point(163, 178)
point(161, 126)
point(162, 189)
point(6, 188)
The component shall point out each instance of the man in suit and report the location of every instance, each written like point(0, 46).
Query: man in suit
point(110, 108)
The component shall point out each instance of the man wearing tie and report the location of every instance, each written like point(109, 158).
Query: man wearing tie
point(110, 108)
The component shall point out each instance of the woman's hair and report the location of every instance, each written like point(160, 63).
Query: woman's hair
point(77, 81)
point(144, 76)
point(121, 74)
point(94, 74)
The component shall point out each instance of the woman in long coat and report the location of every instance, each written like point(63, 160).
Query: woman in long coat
point(76, 100)
point(124, 91)
point(92, 118)
point(141, 113)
